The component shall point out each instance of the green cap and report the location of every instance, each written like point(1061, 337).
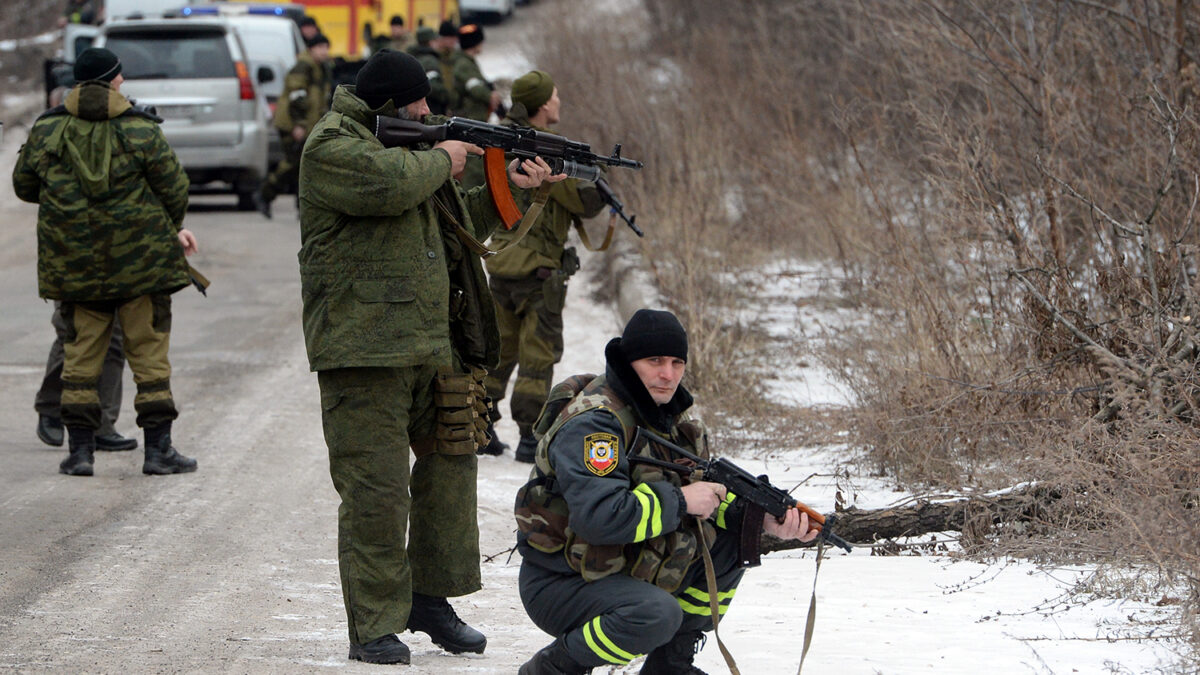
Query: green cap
point(425, 35)
point(532, 89)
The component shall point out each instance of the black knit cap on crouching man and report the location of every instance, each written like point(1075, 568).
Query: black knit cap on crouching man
point(644, 590)
point(381, 258)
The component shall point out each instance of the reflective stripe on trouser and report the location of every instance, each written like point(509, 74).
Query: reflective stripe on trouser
point(146, 321)
point(693, 594)
point(369, 415)
point(531, 341)
point(48, 400)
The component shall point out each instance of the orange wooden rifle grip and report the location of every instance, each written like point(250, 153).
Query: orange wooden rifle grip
point(496, 170)
point(815, 520)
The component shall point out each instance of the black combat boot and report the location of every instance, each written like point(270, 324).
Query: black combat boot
point(675, 657)
point(114, 442)
point(495, 446)
point(387, 649)
point(526, 449)
point(82, 444)
point(50, 430)
point(161, 458)
point(435, 617)
point(553, 659)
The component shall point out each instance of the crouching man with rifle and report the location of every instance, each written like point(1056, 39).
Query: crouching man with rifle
point(623, 558)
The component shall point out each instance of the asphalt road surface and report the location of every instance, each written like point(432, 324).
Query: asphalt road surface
point(232, 568)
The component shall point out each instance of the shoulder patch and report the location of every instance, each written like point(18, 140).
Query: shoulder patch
point(600, 452)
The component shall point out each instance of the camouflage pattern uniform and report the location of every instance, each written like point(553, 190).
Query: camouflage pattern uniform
point(399, 325)
point(112, 198)
point(306, 93)
point(610, 557)
point(529, 283)
point(473, 99)
point(431, 60)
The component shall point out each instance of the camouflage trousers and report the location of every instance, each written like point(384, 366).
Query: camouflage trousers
point(48, 400)
point(287, 171)
point(529, 314)
point(146, 322)
point(371, 416)
point(611, 621)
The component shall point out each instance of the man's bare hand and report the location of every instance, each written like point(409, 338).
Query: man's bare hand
point(702, 498)
point(536, 172)
point(188, 241)
point(458, 152)
point(795, 525)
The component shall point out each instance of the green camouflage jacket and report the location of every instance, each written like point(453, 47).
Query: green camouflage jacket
point(382, 283)
point(305, 95)
point(474, 93)
point(438, 98)
point(111, 197)
point(570, 201)
point(447, 59)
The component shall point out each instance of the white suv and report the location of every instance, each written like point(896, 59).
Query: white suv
point(195, 73)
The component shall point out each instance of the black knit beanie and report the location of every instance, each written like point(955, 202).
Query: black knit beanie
point(470, 35)
point(448, 29)
point(96, 63)
point(652, 332)
point(318, 39)
point(391, 75)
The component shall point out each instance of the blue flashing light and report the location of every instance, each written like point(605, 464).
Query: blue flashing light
point(189, 11)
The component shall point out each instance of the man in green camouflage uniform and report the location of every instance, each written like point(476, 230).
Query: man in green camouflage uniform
point(475, 96)
point(431, 60)
point(626, 577)
point(112, 197)
point(306, 93)
point(400, 327)
point(529, 279)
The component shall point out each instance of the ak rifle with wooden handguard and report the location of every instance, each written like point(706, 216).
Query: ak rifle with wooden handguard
point(755, 489)
point(562, 154)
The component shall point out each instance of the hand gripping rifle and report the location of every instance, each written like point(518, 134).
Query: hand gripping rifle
point(758, 490)
point(609, 197)
point(562, 154)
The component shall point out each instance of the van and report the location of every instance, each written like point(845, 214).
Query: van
point(197, 75)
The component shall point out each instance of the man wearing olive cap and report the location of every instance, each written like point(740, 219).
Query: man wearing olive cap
point(111, 248)
point(529, 279)
point(400, 328)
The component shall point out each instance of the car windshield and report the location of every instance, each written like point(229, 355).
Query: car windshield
point(174, 54)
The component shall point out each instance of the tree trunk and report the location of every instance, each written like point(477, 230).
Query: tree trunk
point(970, 515)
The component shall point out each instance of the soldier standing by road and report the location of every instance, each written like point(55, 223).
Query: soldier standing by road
point(398, 39)
point(111, 245)
point(446, 45)
point(82, 11)
point(431, 60)
point(305, 98)
point(400, 329)
point(529, 279)
point(477, 98)
point(633, 583)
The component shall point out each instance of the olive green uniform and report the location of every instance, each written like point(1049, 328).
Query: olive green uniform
point(439, 97)
point(112, 197)
point(306, 93)
point(474, 98)
point(529, 283)
point(396, 311)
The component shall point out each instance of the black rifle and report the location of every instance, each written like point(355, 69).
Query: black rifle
point(562, 154)
point(609, 197)
point(756, 489)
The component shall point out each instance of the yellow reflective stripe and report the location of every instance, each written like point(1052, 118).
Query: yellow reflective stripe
point(651, 524)
point(729, 497)
point(722, 597)
point(704, 610)
point(609, 651)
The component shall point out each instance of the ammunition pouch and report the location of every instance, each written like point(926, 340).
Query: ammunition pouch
point(542, 515)
point(461, 404)
point(570, 262)
point(554, 293)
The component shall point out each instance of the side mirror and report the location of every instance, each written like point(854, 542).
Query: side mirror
point(265, 75)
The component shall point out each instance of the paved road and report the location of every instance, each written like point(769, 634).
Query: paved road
point(232, 568)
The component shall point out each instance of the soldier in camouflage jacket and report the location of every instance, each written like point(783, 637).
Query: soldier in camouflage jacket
point(399, 327)
point(305, 98)
point(611, 563)
point(111, 197)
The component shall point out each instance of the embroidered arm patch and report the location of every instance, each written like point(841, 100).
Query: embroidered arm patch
point(600, 451)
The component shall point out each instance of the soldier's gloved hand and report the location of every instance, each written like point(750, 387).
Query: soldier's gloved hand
point(702, 498)
point(458, 152)
point(795, 525)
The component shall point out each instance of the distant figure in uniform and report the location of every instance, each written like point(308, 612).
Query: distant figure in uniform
point(305, 98)
point(529, 279)
point(308, 28)
point(111, 246)
point(446, 45)
point(399, 38)
point(426, 52)
point(82, 11)
point(477, 98)
point(610, 547)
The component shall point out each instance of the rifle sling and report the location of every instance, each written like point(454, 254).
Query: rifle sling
point(811, 622)
point(587, 243)
point(481, 249)
point(714, 603)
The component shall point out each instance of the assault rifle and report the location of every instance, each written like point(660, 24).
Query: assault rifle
point(562, 154)
point(609, 197)
point(758, 490)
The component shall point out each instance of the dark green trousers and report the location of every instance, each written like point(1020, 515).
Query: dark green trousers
point(531, 341)
point(371, 417)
